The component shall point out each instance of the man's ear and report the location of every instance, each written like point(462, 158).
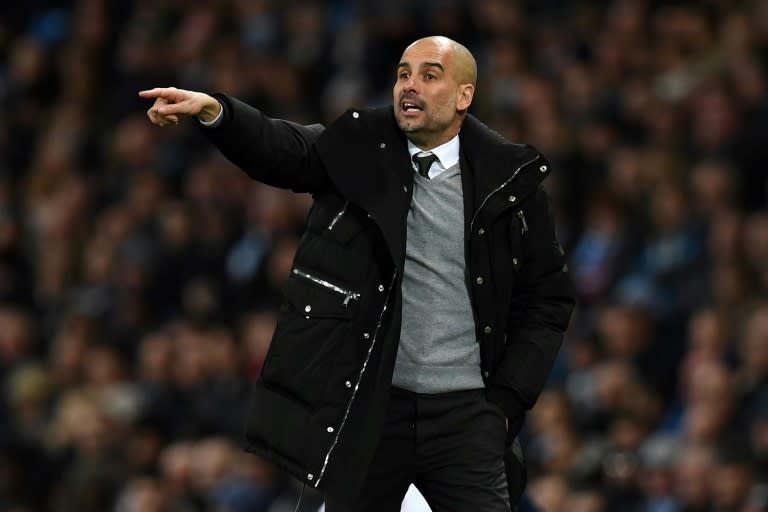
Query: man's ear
point(465, 94)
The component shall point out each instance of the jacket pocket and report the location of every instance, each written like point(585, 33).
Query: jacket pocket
point(310, 335)
point(318, 297)
point(336, 220)
point(328, 260)
point(523, 223)
point(518, 229)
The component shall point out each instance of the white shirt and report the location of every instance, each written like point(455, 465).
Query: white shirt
point(216, 121)
point(447, 156)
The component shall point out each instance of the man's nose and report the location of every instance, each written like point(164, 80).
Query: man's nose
point(410, 84)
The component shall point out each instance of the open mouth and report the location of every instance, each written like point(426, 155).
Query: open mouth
point(410, 106)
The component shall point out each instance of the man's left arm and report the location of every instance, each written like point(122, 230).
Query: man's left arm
point(542, 303)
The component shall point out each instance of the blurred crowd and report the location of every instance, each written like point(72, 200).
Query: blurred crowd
point(140, 272)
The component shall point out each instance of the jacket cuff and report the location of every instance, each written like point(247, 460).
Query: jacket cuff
point(225, 115)
point(216, 121)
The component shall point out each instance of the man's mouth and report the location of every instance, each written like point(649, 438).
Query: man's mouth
point(411, 106)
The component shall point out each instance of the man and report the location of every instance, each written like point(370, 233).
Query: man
point(428, 297)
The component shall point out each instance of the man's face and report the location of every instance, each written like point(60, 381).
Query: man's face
point(426, 95)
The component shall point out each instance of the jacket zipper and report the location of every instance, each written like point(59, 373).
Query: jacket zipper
point(328, 285)
point(485, 200)
point(521, 216)
point(357, 384)
point(338, 216)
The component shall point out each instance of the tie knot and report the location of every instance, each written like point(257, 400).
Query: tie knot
point(424, 163)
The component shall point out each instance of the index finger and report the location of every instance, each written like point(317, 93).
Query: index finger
point(157, 92)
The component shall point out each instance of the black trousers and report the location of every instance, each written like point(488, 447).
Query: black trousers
point(450, 446)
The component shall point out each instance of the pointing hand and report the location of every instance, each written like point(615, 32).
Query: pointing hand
point(170, 103)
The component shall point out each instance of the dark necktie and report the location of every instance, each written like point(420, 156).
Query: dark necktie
point(424, 163)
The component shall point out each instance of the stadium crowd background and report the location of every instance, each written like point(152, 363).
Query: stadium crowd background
point(140, 272)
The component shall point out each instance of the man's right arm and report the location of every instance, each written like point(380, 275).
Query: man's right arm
point(273, 151)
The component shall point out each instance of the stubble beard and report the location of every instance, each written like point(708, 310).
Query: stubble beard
point(421, 133)
point(409, 126)
point(414, 133)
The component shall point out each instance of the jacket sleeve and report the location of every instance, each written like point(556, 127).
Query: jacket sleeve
point(276, 152)
point(541, 308)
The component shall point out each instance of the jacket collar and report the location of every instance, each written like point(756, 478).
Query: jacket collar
point(493, 158)
point(495, 161)
point(365, 155)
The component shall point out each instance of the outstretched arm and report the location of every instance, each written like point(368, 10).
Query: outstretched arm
point(273, 151)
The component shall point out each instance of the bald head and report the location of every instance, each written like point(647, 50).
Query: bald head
point(465, 66)
point(433, 91)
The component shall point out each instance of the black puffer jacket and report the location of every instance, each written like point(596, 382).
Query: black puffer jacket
point(318, 407)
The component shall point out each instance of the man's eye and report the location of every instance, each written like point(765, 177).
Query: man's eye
point(430, 76)
point(403, 76)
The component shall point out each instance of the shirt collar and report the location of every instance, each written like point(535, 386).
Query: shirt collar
point(447, 154)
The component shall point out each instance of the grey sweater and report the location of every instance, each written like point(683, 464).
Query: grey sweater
point(438, 349)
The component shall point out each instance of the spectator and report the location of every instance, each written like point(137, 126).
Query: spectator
point(138, 276)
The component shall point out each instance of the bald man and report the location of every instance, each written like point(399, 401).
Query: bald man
point(427, 300)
